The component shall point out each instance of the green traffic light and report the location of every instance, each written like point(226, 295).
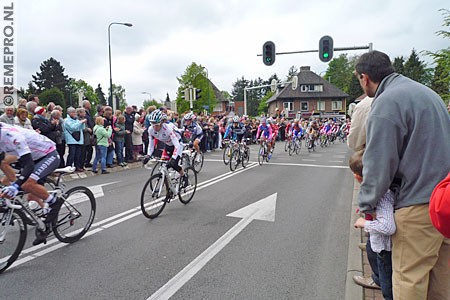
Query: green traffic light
point(268, 59)
point(325, 55)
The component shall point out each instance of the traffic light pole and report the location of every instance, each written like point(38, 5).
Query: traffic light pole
point(370, 47)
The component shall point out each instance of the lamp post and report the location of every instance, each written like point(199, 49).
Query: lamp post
point(207, 82)
point(110, 102)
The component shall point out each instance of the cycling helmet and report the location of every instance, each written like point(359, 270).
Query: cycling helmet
point(263, 120)
point(155, 116)
point(269, 121)
point(235, 119)
point(189, 116)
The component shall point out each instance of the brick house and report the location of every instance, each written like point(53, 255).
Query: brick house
point(314, 96)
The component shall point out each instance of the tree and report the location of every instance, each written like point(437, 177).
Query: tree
point(51, 75)
point(195, 76)
point(148, 103)
point(262, 107)
point(100, 95)
point(399, 65)
point(339, 72)
point(52, 95)
point(291, 73)
point(119, 92)
point(80, 85)
point(416, 69)
point(442, 59)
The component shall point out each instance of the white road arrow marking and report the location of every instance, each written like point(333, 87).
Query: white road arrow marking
point(262, 210)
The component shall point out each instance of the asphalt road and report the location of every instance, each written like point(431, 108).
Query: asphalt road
point(300, 254)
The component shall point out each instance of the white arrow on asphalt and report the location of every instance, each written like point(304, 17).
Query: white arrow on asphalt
point(262, 210)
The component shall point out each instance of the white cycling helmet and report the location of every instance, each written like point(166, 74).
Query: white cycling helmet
point(189, 116)
point(155, 117)
point(236, 119)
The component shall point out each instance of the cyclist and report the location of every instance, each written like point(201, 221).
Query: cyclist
point(266, 130)
point(236, 130)
point(37, 158)
point(297, 129)
point(169, 134)
point(193, 131)
point(275, 129)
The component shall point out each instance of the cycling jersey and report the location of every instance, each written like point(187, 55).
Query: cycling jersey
point(19, 141)
point(236, 132)
point(264, 130)
point(194, 130)
point(297, 130)
point(169, 134)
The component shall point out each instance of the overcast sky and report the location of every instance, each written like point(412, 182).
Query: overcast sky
point(224, 36)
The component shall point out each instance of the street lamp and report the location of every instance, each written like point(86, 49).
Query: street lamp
point(110, 102)
point(207, 81)
point(148, 93)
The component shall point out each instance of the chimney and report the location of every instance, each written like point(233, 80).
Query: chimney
point(305, 68)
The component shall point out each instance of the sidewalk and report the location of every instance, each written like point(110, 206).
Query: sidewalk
point(89, 173)
point(357, 260)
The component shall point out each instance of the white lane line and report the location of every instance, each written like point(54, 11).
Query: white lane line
point(337, 161)
point(309, 159)
point(308, 165)
point(30, 257)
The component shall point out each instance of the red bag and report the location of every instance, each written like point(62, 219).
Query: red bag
point(440, 207)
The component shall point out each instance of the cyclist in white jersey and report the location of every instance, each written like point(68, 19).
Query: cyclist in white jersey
point(169, 134)
point(37, 158)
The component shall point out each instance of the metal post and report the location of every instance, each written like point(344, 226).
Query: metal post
point(191, 95)
point(245, 101)
point(110, 100)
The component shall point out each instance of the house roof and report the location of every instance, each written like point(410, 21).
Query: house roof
point(306, 76)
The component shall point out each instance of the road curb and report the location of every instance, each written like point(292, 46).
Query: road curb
point(88, 173)
point(355, 258)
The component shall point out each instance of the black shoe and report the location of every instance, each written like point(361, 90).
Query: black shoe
point(185, 181)
point(41, 237)
point(52, 215)
point(105, 172)
point(94, 171)
point(110, 166)
point(88, 165)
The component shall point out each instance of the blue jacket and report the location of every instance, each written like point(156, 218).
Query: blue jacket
point(70, 126)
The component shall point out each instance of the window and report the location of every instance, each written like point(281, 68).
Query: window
point(304, 88)
point(336, 105)
point(321, 105)
point(288, 106)
point(311, 88)
point(218, 106)
point(304, 106)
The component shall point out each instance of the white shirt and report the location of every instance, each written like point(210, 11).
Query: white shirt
point(169, 135)
point(19, 141)
point(383, 226)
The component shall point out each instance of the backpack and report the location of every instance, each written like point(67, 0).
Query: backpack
point(439, 208)
point(93, 139)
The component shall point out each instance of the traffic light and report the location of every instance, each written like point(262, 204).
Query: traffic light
point(197, 94)
point(185, 95)
point(268, 53)
point(326, 48)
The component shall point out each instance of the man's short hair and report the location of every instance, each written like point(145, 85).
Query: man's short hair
point(31, 97)
point(375, 64)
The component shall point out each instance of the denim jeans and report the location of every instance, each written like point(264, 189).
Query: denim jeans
point(119, 151)
point(385, 273)
point(109, 155)
point(100, 156)
point(373, 262)
point(74, 156)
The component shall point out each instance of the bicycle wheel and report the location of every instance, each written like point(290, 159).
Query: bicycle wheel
point(227, 154)
point(261, 154)
point(298, 146)
point(234, 160)
point(291, 147)
point(197, 161)
point(76, 215)
point(245, 157)
point(286, 145)
point(12, 235)
point(154, 196)
point(186, 193)
point(155, 168)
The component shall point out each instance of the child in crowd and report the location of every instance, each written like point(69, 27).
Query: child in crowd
point(380, 229)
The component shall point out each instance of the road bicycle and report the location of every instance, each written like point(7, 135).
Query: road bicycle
point(75, 217)
point(164, 186)
point(287, 143)
point(229, 145)
point(295, 146)
point(191, 158)
point(323, 138)
point(263, 153)
point(310, 143)
point(240, 155)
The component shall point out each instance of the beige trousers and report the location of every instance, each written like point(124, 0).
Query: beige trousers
point(420, 257)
